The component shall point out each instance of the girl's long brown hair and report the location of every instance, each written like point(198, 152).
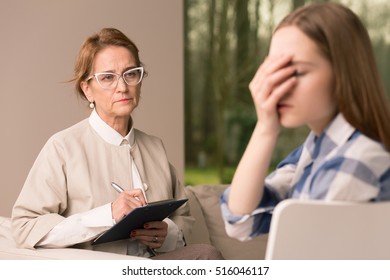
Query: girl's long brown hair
point(344, 41)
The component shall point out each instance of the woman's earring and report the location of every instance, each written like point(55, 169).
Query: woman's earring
point(91, 105)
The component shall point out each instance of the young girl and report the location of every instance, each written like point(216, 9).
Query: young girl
point(320, 72)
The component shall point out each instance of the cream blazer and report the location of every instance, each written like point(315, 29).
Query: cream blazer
point(72, 174)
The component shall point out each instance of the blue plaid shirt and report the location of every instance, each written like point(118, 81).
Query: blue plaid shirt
point(340, 164)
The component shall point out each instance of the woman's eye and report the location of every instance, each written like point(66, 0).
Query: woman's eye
point(130, 74)
point(107, 77)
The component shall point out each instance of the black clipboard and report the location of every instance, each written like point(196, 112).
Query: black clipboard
point(155, 211)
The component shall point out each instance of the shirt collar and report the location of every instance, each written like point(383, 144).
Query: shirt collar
point(109, 134)
point(339, 130)
point(335, 135)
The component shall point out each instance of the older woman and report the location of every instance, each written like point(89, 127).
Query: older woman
point(67, 199)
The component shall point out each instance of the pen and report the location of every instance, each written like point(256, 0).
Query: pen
point(117, 187)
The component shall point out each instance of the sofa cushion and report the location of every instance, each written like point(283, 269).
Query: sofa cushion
point(199, 232)
point(208, 197)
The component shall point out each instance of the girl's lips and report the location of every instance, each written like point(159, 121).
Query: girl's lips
point(283, 106)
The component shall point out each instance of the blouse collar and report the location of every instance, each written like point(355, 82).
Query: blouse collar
point(109, 134)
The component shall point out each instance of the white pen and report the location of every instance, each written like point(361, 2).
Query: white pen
point(117, 187)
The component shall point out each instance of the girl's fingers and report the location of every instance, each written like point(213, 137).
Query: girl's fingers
point(262, 90)
point(280, 91)
point(273, 80)
point(272, 64)
point(270, 74)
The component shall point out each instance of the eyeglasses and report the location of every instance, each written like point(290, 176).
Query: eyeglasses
point(109, 80)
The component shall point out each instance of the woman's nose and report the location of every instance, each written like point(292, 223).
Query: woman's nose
point(122, 84)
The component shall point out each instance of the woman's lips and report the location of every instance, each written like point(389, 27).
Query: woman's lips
point(123, 100)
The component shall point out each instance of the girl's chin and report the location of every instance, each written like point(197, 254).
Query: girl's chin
point(290, 122)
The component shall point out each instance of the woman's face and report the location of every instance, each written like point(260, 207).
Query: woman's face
point(312, 100)
point(117, 103)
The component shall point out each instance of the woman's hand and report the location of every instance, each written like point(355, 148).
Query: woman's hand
point(126, 202)
point(273, 80)
point(152, 235)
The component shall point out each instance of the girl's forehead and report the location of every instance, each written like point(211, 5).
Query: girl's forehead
point(291, 40)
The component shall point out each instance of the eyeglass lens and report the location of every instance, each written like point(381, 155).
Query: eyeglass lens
point(110, 80)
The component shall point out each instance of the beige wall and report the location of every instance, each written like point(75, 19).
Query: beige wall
point(39, 42)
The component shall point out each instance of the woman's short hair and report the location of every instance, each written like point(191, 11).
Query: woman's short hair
point(94, 44)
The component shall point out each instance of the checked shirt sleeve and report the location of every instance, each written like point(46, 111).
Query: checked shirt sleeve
point(277, 187)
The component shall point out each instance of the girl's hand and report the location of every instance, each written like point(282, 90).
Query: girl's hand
point(126, 202)
point(273, 80)
point(152, 235)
